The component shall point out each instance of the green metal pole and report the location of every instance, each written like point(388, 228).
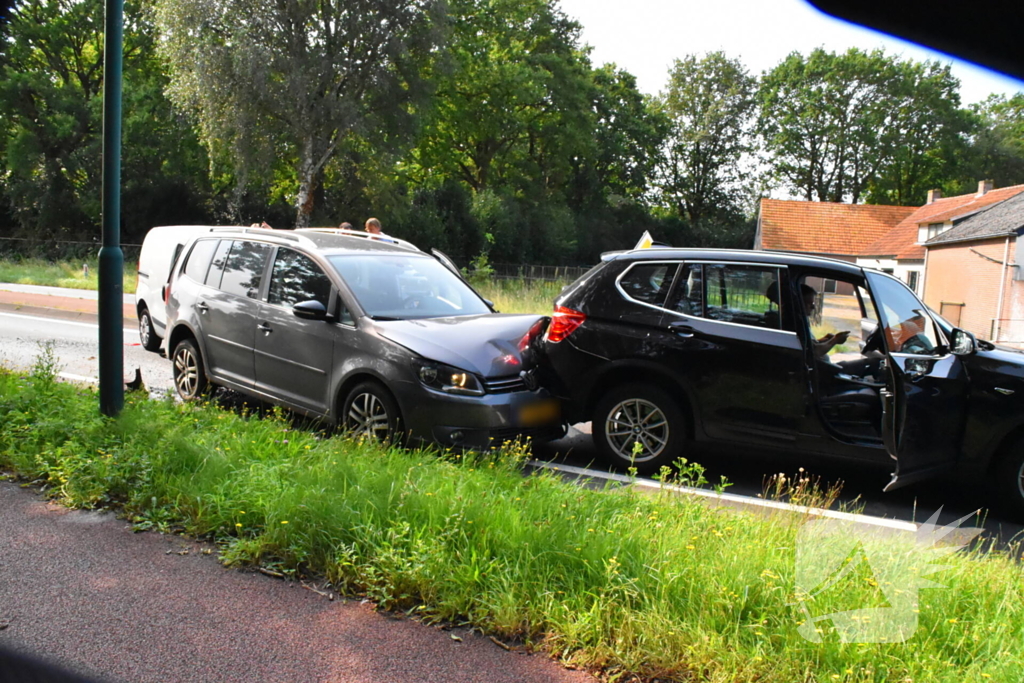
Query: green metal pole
point(111, 275)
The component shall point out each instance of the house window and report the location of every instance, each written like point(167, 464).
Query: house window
point(935, 229)
point(912, 278)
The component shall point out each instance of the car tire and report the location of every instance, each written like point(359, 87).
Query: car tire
point(147, 333)
point(369, 411)
point(1008, 477)
point(190, 379)
point(644, 414)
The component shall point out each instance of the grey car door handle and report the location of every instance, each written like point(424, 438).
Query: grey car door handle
point(203, 308)
point(264, 328)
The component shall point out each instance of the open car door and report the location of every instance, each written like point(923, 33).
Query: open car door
point(924, 400)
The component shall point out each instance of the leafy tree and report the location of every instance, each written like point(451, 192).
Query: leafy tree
point(996, 149)
point(922, 142)
point(710, 101)
point(51, 89)
point(288, 82)
point(510, 96)
point(841, 126)
point(51, 82)
point(628, 135)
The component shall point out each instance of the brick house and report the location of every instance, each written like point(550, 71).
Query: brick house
point(901, 251)
point(889, 238)
point(974, 272)
point(840, 231)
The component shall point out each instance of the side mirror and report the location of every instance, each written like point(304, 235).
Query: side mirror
point(963, 343)
point(310, 310)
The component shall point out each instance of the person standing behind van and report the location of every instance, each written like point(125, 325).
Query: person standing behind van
point(373, 226)
point(345, 225)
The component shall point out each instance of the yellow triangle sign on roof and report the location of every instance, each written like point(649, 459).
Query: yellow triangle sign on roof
point(646, 241)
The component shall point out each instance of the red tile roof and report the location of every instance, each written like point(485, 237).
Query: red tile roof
point(901, 242)
point(825, 227)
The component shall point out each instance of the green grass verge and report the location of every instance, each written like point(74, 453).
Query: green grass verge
point(71, 275)
point(654, 586)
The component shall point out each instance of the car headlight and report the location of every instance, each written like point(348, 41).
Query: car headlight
point(449, 380)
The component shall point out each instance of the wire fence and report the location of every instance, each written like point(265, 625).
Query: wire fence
point(512, 271)
point(59, 250)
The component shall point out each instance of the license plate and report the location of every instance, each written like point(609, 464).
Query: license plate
point(540, 413)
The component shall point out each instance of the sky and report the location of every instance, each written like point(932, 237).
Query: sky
point(645, 36)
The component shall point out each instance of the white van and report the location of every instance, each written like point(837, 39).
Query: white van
point(160, 249)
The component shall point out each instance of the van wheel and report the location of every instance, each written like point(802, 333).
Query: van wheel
point(147, 333)
point(1009, 482)
point(641, 426)
point(189, 372)
point(370, 412)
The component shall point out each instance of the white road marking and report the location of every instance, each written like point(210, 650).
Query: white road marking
point(731, 499)
point(92, 326)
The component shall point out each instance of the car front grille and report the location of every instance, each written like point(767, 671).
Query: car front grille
point(504, 385)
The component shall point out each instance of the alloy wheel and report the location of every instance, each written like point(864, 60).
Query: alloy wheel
point(368, 416)
point(144, 326)
point(186, 372)
point(637, 430)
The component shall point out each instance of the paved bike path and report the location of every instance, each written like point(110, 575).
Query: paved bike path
point(81, 590)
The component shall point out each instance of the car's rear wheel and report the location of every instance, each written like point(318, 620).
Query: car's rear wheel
point(147, 333)
point(639, 425)
point(189, 372)
point(371, 412)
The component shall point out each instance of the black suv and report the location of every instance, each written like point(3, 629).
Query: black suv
point(364, 330)
point(659, 347)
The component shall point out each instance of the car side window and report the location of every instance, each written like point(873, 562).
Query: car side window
point(742, 294)
point(297, 278)
point(199, 260)
point(243, 269)
point(220, 257)
point(688, 296)
point(648, 282)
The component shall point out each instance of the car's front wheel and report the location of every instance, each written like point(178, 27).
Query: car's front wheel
point(147, 333)
point(639, 425)
point(189, 372)
point(370, 411)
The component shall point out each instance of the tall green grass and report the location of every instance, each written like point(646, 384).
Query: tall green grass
point(72, 275)
point(653, 586)
point(522, 296)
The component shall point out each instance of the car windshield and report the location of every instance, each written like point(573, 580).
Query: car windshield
point(404, 287)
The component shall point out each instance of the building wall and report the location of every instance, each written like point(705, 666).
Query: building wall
point(959, 274)
point(900, 269)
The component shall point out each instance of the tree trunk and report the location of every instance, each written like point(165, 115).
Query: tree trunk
point(307, 184)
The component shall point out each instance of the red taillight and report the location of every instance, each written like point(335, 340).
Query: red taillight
point(564, 322)
point(167, 292)
point(535, 331)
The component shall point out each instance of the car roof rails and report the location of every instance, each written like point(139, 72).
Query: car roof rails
point(283, 234)
point(381, 237)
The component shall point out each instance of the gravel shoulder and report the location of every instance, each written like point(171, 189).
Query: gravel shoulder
point(81, 590)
